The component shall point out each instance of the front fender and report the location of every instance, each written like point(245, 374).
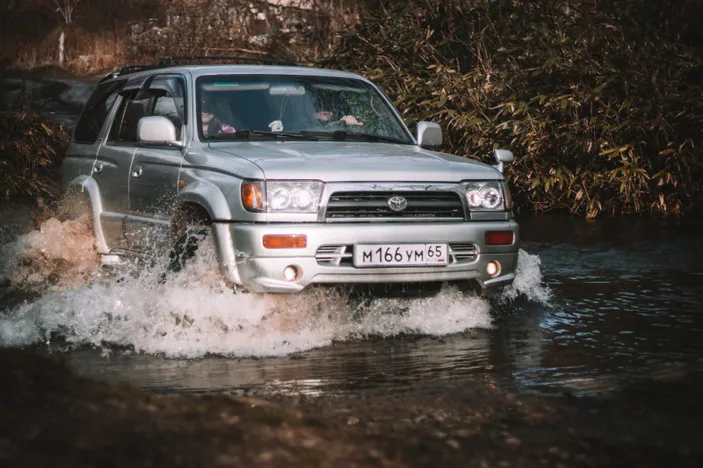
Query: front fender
point(209, 196)
point(87, 186)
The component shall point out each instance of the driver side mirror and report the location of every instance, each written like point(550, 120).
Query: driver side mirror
point(429, 135)
point(157, 130)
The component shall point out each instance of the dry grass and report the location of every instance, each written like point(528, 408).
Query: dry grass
point(86, 52)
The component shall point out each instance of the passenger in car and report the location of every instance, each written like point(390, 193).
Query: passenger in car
point(326, 116)
point(330, 107)
point(212, 125)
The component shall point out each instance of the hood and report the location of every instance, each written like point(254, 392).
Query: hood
point(356, 162)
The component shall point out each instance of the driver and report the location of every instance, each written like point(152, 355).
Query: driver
point(327, 103)
point(326, 116)
point(212, 125)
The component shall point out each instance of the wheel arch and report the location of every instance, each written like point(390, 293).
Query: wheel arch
point(205, 202)
point(207, 196)
point(87, 187)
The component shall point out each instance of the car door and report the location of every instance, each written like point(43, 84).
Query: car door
point(112, 167)
point(89, 134)
point(154, 176)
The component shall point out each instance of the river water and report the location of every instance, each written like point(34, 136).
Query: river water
point(596, 305)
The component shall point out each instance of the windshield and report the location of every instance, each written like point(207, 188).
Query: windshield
point(294, 107)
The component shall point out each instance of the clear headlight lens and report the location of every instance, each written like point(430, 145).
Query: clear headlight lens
point(293, 197)
point(485, 196)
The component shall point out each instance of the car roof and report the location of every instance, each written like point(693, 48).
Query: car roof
point(209, 70)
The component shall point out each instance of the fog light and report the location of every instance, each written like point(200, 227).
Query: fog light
point(292, 273)
point(493, 268)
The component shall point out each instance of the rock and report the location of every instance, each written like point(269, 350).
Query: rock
point(513, 442)
point(534, 418)
point(453, 444)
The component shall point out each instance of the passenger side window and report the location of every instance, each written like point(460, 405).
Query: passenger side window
point(165, 97)
point(166, 107)
point(135, 105)
point(96, 111)
point(170, 100)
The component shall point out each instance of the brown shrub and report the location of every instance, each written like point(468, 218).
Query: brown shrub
point(31, 149)
point(601, 103)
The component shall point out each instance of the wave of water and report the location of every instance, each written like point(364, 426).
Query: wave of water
point(195, 313)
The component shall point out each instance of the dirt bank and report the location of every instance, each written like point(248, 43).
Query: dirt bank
point(50, 417)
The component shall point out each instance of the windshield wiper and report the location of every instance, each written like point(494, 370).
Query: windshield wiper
point(342, 135)
point(246, 134)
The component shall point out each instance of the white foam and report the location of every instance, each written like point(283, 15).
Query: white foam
point(194, 313)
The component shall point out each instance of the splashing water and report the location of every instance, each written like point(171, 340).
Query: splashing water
point(528, 280)
point(57, 256)
point(195, 313)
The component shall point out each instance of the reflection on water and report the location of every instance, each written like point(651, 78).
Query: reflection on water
point(626, 304)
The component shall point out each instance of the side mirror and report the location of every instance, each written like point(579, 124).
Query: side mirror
point(502, 157)
point(157, 130)
point(429, 134)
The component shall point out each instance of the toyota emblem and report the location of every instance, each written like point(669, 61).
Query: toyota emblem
point(397, 204)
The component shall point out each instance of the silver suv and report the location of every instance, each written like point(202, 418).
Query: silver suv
point(302, 176)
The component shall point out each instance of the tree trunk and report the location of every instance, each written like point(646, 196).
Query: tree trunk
point(62, 50)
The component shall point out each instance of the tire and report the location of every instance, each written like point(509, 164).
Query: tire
point(186, 247)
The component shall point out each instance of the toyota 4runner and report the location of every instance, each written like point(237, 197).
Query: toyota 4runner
point(302, 176)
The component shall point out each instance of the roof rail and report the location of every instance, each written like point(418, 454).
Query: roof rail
point(127, 69)
point(171, 61)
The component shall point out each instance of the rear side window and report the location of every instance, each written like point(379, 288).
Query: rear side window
point(96, 111)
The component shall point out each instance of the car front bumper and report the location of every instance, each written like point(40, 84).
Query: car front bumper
point(245, 261)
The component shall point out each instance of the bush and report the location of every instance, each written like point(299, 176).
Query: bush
point(601, 102)
point(31, 149)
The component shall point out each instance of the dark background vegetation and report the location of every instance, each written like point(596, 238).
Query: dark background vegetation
point(601, 101)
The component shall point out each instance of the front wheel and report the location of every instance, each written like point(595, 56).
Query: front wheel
point(186, 247)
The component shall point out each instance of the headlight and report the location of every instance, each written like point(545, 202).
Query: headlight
point(283, 196)
point(485, 196)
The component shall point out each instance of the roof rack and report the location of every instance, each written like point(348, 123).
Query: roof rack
point(171, 61)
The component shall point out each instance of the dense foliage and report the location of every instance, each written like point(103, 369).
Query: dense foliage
point(31, 148)
point(601, 102)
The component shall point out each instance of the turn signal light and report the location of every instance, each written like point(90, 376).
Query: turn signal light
point(499, 237)
point(253, 196)
point(285, 241)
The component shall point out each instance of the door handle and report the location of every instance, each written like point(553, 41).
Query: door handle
point(98, 168)
point(137, 172)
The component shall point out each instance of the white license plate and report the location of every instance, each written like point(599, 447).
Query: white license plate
point(366, 255)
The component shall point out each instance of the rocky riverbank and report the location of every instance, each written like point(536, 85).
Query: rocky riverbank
point(51, 417)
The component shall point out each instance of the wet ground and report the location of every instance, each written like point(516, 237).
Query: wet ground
point(52, 92)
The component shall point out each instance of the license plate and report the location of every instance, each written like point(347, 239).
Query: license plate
point(376, 255)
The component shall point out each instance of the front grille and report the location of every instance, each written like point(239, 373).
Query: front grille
point(334, 255)
point(370, 206)
point(462, 252)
